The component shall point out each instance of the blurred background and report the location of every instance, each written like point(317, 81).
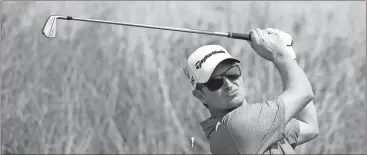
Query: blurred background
point(98, 88)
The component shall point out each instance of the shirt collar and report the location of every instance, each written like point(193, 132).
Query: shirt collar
point(209, 125)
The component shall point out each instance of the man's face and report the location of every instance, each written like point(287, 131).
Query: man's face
point(231, 94)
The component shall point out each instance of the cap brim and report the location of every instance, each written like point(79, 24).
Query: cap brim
point(210, 68)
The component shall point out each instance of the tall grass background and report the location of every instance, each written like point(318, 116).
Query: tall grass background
point(98, 88)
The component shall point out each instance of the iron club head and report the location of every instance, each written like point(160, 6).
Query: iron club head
point(49, 28)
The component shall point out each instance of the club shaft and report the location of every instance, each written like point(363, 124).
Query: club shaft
point(149, 26)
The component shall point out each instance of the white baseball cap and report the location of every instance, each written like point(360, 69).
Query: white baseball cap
point(201, 63)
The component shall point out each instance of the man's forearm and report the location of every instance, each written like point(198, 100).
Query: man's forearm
point(297, 88)
point(293, 77)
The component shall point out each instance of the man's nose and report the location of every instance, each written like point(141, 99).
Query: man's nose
point(227, 83)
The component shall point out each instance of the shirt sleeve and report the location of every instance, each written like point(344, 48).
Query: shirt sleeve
point(254, 127)
point(292, 130)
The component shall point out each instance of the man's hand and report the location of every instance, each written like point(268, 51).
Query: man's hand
point(270, 45)
point(285, 38)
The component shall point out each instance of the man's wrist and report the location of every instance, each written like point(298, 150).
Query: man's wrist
point(284, 62)
point(285, 54)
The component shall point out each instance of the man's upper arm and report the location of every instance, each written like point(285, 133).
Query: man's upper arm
point(309, 115)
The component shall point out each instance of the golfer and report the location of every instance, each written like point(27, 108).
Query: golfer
point(274, 126)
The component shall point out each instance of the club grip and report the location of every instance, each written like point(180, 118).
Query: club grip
point(239, 36)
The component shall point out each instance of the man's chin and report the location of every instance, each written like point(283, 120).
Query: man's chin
point(236, 103)
point(236, 100)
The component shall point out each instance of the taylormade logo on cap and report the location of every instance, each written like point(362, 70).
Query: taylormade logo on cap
point(198, 64)
point(202, 62)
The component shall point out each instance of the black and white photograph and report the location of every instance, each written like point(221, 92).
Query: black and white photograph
point(183, 77)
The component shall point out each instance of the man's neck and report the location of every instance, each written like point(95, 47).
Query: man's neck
point(222, 113)
point(215, 113)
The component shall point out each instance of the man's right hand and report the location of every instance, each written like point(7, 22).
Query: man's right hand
point(269, 45)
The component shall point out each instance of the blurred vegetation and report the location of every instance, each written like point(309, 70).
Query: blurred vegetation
point(98, 88)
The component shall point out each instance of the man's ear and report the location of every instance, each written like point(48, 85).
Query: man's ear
point(199, 95)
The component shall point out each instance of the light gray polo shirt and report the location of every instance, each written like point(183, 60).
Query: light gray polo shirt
point(253, 128)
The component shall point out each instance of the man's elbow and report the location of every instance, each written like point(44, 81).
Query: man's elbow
point(308, 137)
point(315, 133)
point(309, 95)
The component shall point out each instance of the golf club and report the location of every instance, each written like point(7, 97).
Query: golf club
point(49, 28)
